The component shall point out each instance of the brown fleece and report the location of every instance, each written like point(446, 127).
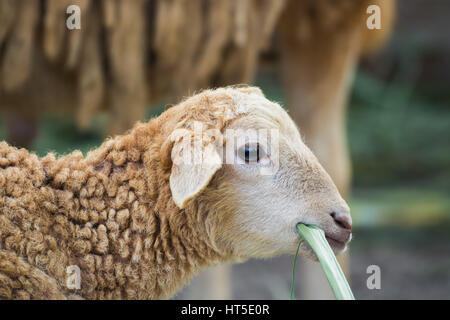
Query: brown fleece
point(110, 213)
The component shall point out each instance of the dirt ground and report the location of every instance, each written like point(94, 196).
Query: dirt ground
point(414, 263)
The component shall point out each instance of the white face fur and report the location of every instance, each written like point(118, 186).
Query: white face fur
point(267, 205)
point(268, 187)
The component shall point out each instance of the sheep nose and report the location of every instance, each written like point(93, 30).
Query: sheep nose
point(342, 219)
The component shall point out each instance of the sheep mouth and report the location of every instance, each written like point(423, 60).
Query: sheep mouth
point(335, 243)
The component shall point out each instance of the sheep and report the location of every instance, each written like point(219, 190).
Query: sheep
point(318, 42)
point(139, 221)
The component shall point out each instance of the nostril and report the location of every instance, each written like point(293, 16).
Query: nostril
point(343, 221)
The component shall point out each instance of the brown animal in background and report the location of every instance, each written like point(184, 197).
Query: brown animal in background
point(129, 54)
point(139, 223)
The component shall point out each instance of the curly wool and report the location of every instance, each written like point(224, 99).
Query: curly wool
point(110, 213)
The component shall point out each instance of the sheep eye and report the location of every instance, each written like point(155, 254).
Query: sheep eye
point(251, 153)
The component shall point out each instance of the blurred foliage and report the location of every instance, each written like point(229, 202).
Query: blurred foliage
point(60, 135)
point(399, 130)
point(398, 236)
point(405, 207)
point(396, 135)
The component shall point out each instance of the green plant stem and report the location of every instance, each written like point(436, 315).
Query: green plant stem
point(293, 271)
point(315, 237)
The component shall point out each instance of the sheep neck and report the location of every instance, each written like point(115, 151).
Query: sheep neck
point(115, 219)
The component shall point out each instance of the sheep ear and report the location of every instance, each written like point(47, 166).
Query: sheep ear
point(192, 169)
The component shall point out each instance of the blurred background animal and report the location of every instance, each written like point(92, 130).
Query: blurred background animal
point(129, 55)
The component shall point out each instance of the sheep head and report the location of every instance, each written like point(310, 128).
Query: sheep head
point(242, 157)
